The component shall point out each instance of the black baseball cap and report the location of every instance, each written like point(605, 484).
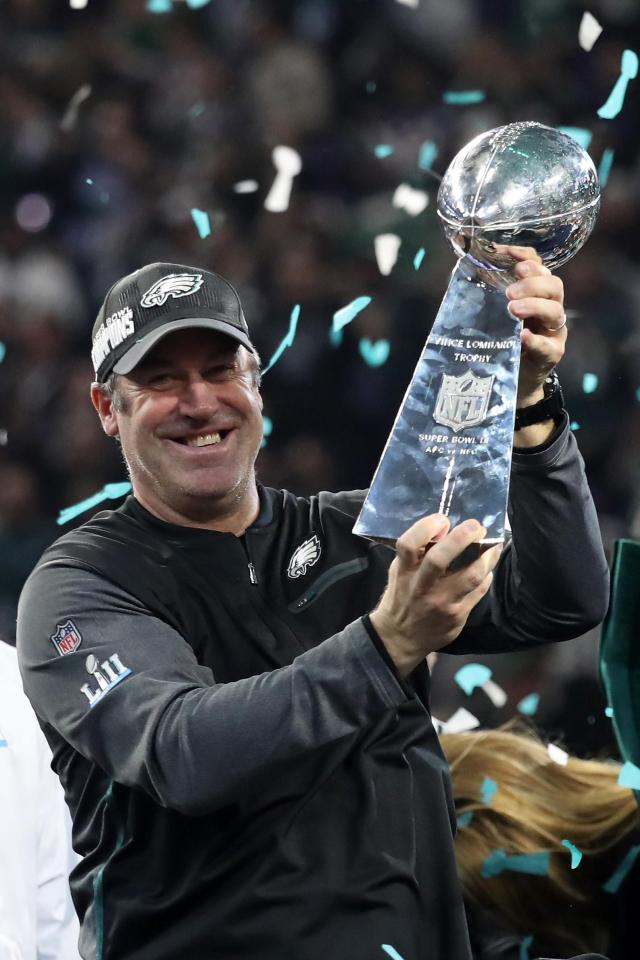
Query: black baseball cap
point(145, 306)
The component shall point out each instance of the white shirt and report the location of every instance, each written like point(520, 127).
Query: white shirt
point(37, 919)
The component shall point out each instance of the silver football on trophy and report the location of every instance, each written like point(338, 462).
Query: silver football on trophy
point(524, 184)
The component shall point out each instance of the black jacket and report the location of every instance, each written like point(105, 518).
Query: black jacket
point(247, 774)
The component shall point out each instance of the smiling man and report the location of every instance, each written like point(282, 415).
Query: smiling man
point(239, 705)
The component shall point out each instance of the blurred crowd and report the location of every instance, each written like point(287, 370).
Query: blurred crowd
point(116, 121)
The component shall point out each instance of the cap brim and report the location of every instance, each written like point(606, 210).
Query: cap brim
point(141, 347)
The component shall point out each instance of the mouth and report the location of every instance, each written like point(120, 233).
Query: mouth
point(203, 440)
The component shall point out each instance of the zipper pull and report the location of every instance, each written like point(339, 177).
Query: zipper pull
point(252, 573)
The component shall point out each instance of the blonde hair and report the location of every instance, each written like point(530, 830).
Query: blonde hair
point(538, 804)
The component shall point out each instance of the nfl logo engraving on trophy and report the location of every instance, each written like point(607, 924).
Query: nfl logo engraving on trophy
point(463, 401)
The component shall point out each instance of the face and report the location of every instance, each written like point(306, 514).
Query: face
point(190, 426)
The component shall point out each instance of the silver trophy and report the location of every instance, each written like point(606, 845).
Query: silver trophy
point(450, 447)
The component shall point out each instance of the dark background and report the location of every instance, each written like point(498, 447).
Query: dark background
point(184, 105)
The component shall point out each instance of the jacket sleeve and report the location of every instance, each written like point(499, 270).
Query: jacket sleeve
point(552, 581)
point(133, 699)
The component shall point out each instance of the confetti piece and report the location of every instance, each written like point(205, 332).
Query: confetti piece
point(386, 246)
point(89, 181)
point(615, 880)
point(461, 721)
point(465, 818)
point(557, 754)
point(629, 776)
point(493, 864)
point(488, 790)
point(628, 71)
point(393, 953)
point(576, 855)
point(579, 134)
point(536, 864)
point(111, 491)
point(529, 704)
point(246, 186)
point(4, 743)
point(606, 162)
point(201, 220)
point(383, 150)
point(589, 31)
point(158, 6)
point(335, 337)
point(3, 351)
point(371, 86)
point(288, 165)
point(346, 314)
point(374, 354)
point(428, 153)
point(419, 257)
point(495, 693)
point(608, 711)
point(4, 436)
point(196, 4)
point(524, 948)
point(461, 97)
point(288, 340)
point(472, 675)
point(574, 425)
point(70, 114)
point(409, 3)
point(267, 430)
point(413, 201)
point(196, 110)
point(589, 382)
point(77, 4)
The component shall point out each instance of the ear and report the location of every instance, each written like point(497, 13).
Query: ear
point(105, 409)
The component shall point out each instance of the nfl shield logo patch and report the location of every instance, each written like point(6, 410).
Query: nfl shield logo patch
point(67, 637)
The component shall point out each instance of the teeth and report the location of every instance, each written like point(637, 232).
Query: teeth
point(204, 441)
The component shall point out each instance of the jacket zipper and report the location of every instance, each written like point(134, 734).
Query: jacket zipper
point(253, 576)
point(327, 580)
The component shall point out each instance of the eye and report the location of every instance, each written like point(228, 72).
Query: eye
point(159, 380)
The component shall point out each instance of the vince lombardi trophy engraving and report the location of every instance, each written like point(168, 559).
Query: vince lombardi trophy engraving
point(450, 447)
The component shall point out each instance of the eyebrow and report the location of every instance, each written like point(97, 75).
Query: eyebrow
point(151, 362)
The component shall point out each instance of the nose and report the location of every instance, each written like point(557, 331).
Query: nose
point(198, 398)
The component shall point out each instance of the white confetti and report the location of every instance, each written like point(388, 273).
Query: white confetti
point(413, 201)
point(4, 437)
point(386, 246)
point(495, 693)
point(589, 31)
point(70, 115)
point(461, 721)
point(245, 186)
point(288, 165)
point(557, 754)
point(77, 4)
point(409, 3)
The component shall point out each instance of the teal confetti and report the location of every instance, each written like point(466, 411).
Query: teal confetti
point(419, 257)
point(393, 953)
point(3, 351)
point(201, 220)
point(346, 314)
point(608, 712)
point(638, 394)
point(524, 948)
point(529, 704)
point(335, 337)
point(472, 675)
point(465, 818)
point(615, 880)
point(493, 864)
point(428, 153)
point(576, 855)
point(196, 4)
point(628, 71)
point(158, 6)
point(288, 340)
point(488, 790)
point(89, 181)
point(196, 110)
point(383, 150)
point(267, 430)
point(589, 382)
point(375, 354)
point(461, 97)
point(629, 776)
point(371, 86)
point(536, 864)
point(606, 162)
point(574, 425)
point(579, 134)
point(111, 491)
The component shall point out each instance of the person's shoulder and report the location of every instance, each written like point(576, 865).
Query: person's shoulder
point(345, 503)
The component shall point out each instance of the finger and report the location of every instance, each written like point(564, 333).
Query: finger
point(545, 286)
point(531, 268)
point(473, 598)
point(543, 350)
point(543, 315)
point(437, 560)
point(522, 253)
point(411, 546)
point(465, 582)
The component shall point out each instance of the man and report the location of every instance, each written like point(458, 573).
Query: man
point(247, 754)
point(37, 919)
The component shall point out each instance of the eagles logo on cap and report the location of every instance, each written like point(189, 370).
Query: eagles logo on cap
point(173, 285)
